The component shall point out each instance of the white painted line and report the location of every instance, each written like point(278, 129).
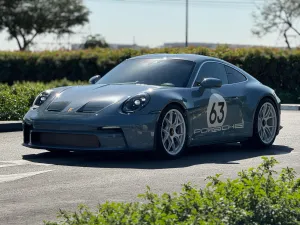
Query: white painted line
point(20, 163)
point(13, 177)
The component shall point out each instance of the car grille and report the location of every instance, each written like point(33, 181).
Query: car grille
point(65, 140)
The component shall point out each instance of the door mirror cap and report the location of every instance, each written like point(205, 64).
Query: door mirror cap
point(94, 79)
point(211, 83)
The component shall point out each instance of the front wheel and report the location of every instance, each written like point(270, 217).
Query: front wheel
point(171, 132)
point(265, 125)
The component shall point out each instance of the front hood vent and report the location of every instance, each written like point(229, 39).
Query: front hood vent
point(57, 106)
point(94, 106)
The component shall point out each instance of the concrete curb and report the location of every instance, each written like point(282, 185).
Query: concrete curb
point(9, 126)
point(290, 107)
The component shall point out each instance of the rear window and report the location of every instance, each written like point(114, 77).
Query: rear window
point(234, 76)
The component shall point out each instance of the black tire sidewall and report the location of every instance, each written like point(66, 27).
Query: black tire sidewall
point(160, 150)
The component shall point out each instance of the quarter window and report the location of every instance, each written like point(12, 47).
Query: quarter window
point(234, 76)
point(214, 70)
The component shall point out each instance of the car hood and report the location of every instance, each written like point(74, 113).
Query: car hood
point(93, 98)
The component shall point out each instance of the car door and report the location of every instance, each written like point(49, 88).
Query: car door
point(215, 113)
point(237, 86)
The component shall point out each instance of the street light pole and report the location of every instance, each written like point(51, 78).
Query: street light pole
point(186, 22)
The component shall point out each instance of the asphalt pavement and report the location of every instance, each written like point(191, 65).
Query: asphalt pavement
point(35, 184)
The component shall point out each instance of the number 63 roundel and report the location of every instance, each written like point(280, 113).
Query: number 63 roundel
point(216, 111)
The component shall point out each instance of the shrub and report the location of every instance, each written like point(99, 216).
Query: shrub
point(256, 197)
point(15, 100)
point(277, 68)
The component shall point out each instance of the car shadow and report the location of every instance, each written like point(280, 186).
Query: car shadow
point(218, 154)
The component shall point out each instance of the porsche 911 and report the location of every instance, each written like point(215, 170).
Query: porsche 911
point(160, 102)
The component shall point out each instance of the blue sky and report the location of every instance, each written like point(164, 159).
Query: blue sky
point(153, 24)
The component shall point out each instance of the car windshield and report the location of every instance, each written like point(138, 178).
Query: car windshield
point(159, 72)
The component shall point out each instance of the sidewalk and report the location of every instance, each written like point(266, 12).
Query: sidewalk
point(9, 126)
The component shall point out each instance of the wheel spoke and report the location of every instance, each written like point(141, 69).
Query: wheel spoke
point(170, 140)
point(261, 132)
point(267, 111)
point(173, 146)
point(166, 135)
point(169, 144)
point(268, 132)
point(264, 135)
point(269, 117)
point(177, 139)
point(179, 123)
point(171, 118)
point(168, 121)
point(264, 110)
point(177, 120)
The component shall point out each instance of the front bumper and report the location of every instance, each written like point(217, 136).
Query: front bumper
point(88, 133)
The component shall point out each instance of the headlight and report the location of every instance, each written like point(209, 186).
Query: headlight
point(136, 103)
point(41, 98)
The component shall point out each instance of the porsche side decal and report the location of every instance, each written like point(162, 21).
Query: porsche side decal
point(218, 129)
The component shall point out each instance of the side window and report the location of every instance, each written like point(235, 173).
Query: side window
point(212, 69)
point(234, 76)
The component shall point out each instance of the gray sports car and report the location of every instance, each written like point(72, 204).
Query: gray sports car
point(159, 102)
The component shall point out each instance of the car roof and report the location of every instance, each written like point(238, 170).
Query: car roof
point(189, 57)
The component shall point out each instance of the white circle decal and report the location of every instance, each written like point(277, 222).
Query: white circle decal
point(216, 111)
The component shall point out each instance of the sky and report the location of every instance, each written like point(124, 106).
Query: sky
point(155, 22)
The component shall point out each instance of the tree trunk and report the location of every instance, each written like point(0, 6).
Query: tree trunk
point(286, 38)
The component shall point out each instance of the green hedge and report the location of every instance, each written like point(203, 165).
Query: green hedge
point(15, 100)
point(279, 69)
point(258, 196)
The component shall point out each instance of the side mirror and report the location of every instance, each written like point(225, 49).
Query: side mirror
point(94, 79)
point(211, 83)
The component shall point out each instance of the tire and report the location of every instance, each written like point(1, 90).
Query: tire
point(171, 137)
point(264, 130)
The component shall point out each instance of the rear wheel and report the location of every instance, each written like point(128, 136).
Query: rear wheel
point(265, 125)
point(171, 132)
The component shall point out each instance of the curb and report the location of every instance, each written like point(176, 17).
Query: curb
point(10, 126)
point(290, 107)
